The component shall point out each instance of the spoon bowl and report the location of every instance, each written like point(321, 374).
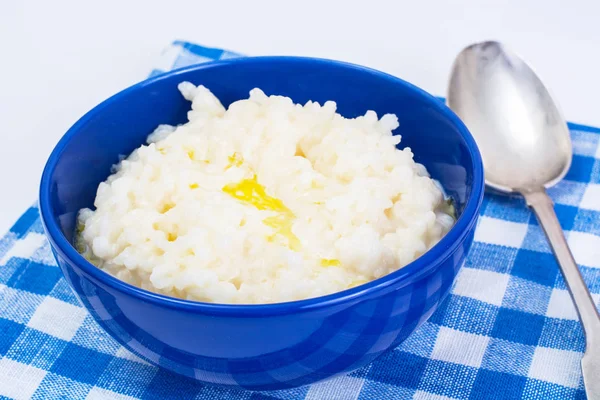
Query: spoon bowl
point(523, 138)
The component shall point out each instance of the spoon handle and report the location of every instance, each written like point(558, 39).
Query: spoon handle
point(543, 208)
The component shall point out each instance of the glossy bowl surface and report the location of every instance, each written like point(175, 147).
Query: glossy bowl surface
point(272, 346)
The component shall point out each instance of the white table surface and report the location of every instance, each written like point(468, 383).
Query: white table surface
point(60, 58)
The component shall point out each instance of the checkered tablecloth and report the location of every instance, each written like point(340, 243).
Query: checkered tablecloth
point(507, 331)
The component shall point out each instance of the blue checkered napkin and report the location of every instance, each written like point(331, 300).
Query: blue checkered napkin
point(507, 331)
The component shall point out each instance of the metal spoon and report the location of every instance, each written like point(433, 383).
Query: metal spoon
point(526, 147)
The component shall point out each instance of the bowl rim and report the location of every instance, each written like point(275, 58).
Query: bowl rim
point(422, 265)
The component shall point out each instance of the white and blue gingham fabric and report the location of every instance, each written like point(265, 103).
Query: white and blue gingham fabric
point(508, 330)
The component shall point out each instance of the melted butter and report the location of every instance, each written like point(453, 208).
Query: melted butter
point(282, 223)
point(251, 192)
point(330, 262)
point(166, 207)
point(235, 160)
point(171, 237)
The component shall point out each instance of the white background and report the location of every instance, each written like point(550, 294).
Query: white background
point(60, 58)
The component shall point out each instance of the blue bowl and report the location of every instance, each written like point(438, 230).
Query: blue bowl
point(273, 346)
